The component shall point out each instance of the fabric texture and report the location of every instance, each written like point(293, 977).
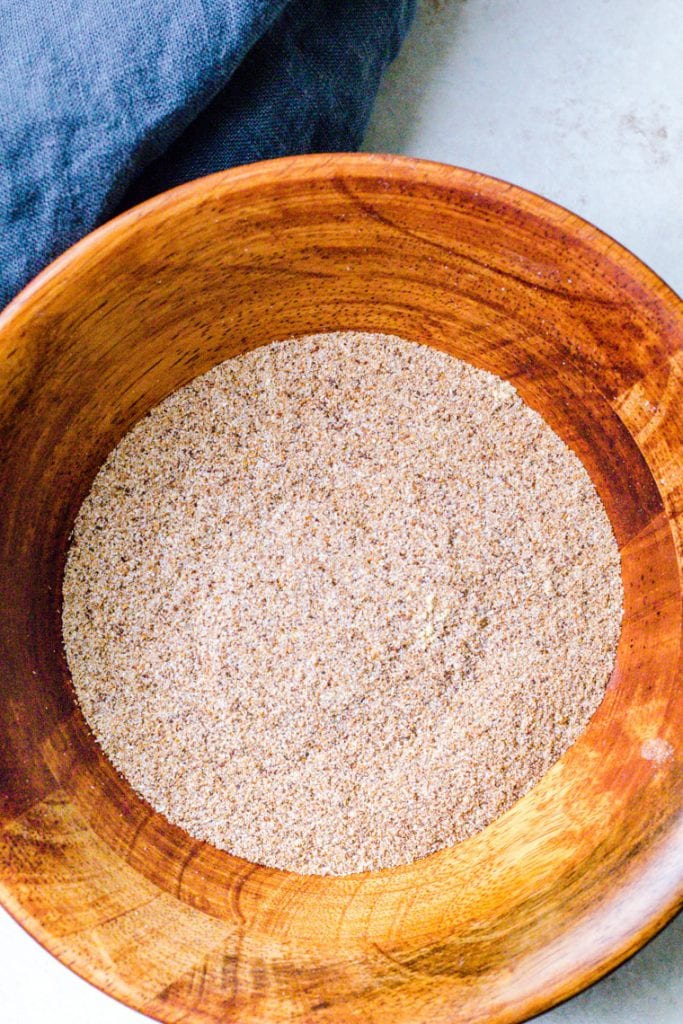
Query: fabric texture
point(103, 103)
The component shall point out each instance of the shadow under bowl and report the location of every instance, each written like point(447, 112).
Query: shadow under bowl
point(582, 870)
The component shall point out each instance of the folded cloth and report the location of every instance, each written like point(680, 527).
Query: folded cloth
point(104, 103)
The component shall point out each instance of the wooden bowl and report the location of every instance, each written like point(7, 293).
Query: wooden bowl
point(579, 873)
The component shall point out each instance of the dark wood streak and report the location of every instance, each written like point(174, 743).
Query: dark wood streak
point(496, 928)
point(237, 889)
point(187, 860)
point(144, 821)
point(395, 962)
point(488, 268)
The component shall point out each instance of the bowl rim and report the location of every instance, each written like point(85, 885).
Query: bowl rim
point(321, 166)
point(342, 161)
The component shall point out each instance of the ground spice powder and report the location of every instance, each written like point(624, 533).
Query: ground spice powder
point(340, 602)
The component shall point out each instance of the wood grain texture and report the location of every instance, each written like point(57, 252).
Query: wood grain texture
point(578, 874)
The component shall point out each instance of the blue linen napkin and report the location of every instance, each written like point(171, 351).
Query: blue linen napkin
point(106, 102)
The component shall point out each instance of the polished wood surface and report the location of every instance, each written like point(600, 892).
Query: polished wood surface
point(579, 873)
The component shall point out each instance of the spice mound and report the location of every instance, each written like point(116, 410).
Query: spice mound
point(340, 602)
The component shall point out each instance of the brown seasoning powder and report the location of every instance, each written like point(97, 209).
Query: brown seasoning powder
point(340, 602)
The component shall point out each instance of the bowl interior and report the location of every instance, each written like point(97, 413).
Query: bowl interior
point(577, 874)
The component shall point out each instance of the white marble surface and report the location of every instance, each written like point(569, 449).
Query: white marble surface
point(579, 100)
point(582, 101)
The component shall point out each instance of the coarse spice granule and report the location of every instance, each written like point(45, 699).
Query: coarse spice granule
point(340, 602)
